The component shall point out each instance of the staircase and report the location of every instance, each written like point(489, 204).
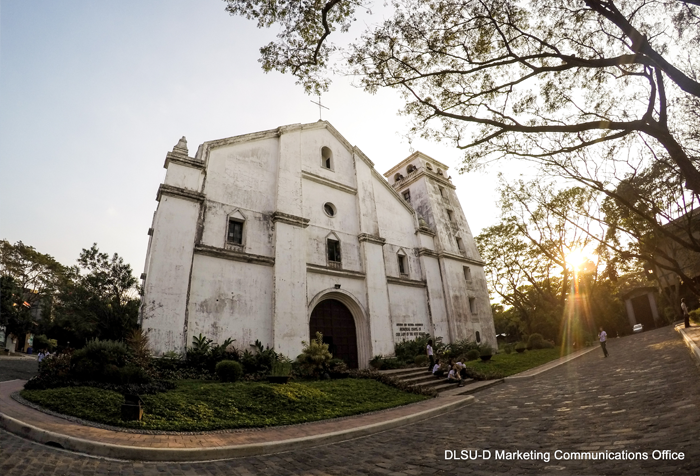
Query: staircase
point(420, 377)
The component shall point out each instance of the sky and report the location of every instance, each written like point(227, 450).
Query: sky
point(94, 94)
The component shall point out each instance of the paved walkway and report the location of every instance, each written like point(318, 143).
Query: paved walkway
point(643, 398)
point(21, 367)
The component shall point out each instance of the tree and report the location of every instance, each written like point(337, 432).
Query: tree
point(28, 280)
point(100, 299)
point(539, 80)
point(528, 258)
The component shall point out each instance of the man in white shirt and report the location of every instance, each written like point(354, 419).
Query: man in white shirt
point(429, 352)
point(603, 336)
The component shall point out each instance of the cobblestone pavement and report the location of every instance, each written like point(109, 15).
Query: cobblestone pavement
point(644, 397)
point(12, 368)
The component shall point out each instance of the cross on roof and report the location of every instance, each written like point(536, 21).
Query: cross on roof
point(319, 107)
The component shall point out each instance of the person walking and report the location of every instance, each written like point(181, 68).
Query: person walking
point(686, 314)
point(429, 352)
point(603, 336)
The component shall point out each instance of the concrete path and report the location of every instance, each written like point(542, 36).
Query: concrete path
point(643, 398)
point(22, 367)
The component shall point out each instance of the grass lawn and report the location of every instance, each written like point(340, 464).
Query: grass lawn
point(200, 405)
point(503, 365)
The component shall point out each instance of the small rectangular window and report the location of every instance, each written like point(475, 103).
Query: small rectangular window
point(407, 196)
point(402, 265)
point(235, 232)
point(333, 250)
point(442, 192)
point(450, 216)
point(460, 244)
point(467, 273)
point(472, 305)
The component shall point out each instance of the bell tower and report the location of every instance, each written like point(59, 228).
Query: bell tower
point(426, 185)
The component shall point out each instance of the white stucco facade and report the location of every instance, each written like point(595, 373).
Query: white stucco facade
point(292, 194)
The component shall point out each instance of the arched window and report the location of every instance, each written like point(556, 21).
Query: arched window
point(326, 158)
point(411, 168)
point(478, 337)
point(439, 172)
point(428, 166)
point(398, 177)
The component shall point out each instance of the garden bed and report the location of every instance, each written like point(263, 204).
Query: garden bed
point(503, 365)
point(203, 406)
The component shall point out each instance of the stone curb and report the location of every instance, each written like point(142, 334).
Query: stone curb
point(108, 450)
point(549, 365)
point(694, 350)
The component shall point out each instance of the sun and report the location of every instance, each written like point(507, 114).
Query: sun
point(575, 258)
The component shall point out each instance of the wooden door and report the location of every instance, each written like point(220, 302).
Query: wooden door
point(334, 320)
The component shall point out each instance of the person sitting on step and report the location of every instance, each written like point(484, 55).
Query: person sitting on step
point(454, 376)
point(437, 369)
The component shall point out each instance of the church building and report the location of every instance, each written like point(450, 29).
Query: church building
point(275, 235)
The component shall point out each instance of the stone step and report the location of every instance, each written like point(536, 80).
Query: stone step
point(445, 386)
point(420, 378)
point(440, 384)
point(400, 372)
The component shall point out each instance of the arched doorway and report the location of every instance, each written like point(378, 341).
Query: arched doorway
point(334, 320)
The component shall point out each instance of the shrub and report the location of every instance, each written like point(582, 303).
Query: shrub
point(259, 362)
point(229, 370)
point(421, 360)
point(138, 345)
point(41, 342)
point(535, 341)
point(196, 354)
point(546, 344)
point(281, 368)
point(508, 348)
point(315, 356)
point(485, 349)
point(473, 354)
point(407, 350)
point(223, 351)
point(338, 369)
point(381, 362)
point(129, 374)
point(520, 346)
point(92, 361)
point(55, 366)
point(204, 354)
point(462, 347)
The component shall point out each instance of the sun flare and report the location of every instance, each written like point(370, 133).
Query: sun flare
point(575, 258)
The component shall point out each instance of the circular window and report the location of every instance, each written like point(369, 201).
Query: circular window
point(329, 208)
